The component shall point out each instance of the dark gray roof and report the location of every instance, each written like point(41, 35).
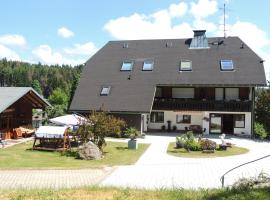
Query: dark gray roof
point(9, 95)
point(136, 95)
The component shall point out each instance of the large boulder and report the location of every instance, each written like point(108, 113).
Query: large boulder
point(90, 151)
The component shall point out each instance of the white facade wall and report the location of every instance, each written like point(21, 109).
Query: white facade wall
point(199, 118)
point(196, 119)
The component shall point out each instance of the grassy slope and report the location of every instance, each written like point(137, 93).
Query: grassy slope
point(97, 193)
point(198, 154)
point(22, 157)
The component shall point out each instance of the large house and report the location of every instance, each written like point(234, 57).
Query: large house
point(174, 84)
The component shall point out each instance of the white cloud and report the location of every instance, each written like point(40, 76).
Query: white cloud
point(178, 10)
point(8, 53)
point(46, 55)
point(152, 26)
point(250, 34)
point(204, 8)
point(88, 48)
point(201, 24)
point(12, 40)
point(65, 32)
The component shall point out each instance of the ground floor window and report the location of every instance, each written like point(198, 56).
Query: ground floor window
point(183, 119)
point(157, 117)
point(239, 121)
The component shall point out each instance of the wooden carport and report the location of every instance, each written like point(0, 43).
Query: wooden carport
point(16, 105)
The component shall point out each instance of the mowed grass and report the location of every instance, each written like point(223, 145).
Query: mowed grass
point(97, 193)
point(199, 154)
point(22, 157)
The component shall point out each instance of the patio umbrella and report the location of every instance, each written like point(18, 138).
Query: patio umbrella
point(68, 120)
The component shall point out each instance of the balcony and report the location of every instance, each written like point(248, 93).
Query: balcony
point(201, 105)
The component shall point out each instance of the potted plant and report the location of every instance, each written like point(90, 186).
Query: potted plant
point(133, 134)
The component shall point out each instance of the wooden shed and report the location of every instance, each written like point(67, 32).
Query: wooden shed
point(16, 105)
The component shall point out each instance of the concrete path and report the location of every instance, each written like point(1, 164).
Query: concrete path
point(157, 169)
point(10, 179)
point(11, 142)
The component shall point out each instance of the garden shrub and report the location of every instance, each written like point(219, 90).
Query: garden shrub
point(188, 142)
point(192, 145)
point(208, 144)
point(180, 141)
point(260, 131)
point(132, 133)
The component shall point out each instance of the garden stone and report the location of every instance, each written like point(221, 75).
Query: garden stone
point(90, 151)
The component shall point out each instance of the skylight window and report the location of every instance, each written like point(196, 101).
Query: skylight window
point(127, 66)
point(226, 65)
point(148, 65)
point(105, 91)
point(185, 65)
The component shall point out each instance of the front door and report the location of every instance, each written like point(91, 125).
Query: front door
point(227, 124)
point(221, 123)
point(215, 123)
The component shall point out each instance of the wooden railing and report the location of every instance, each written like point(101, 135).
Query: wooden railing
point(201, 105)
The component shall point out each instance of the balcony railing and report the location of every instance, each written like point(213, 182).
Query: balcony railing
point(201, 105)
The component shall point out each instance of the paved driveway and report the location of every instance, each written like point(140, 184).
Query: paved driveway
point(157, 169)
point(10, 179)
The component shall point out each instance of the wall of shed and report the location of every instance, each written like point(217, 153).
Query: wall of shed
point(18, 114)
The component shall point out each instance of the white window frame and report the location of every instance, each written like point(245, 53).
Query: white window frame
point(127, 62)
point(226, 69)
point(105, 90)
point(148, 62)
point(182, 66)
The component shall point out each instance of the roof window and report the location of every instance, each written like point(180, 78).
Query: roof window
point(148, 65)
point(185, 65)
point(105, 90)
point(226, 65)
point(127, 66)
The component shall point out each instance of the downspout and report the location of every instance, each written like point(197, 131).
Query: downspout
point(252, 111)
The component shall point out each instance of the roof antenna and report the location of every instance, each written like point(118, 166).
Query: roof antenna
point(224, 19)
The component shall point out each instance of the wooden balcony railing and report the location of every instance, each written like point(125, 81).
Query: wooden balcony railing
point(201, 105)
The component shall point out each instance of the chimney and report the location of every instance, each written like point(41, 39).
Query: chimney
point(199, 40)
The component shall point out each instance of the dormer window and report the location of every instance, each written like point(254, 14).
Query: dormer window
point(185, 65)
point(105, 90)
point(226, 65)
point(127, 66)
point(148, 65)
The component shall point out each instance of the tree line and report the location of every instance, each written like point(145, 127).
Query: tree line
point(55, 82)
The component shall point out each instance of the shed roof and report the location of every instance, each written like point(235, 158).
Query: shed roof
point(9, 95)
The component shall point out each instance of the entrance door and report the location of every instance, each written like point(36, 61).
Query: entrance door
point(221, 123)
point(215, 123)
point(227, 124)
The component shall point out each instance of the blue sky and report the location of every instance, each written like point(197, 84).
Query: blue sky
point(70, 31)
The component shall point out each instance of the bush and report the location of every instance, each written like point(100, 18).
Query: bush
point(180, 141)
point(260, 132)
point(132, 133)
point(192, 145)
point(188, 142)
point(100, 125)
point(208, 144)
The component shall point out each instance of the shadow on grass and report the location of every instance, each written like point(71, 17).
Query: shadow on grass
point(121, 148)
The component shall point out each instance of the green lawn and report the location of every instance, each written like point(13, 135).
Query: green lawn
point(97, 193)
point(22, 157)
point(198, 154)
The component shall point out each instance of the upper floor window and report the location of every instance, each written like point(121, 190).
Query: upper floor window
point(148, 65)
point(105, 90)
point(127, 66)
point(185, 65)
point(226, 65)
